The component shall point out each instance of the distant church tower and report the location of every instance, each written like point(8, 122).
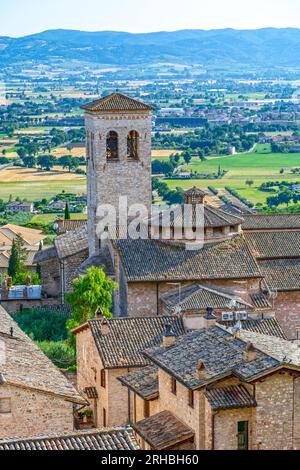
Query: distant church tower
point(118, 136)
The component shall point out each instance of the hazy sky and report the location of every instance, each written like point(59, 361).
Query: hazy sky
point(20, 17)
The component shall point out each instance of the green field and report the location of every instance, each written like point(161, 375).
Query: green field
point(45, 219)
point(34, 191)
point(260, 165)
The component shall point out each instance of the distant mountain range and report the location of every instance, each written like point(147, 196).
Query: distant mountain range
point(262, 48)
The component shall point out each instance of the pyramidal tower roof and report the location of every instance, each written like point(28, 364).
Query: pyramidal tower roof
point(116, 102)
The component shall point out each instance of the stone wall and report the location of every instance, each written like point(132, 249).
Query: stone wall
point(70, 266)
point(226, 428)
point(139, 408)
point(274, 415)
point(273, 425)
point(287, 308)
point(144, 297)
point(114, 397)
point(50, 269)
point(14, 306)
point(179, 405)
point(34, 413)
point(108, 180)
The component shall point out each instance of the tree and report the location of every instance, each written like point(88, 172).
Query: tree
point(249, 183)
point(187, 157)
point(67, 212)
point(23, 252)
point(66, 162)
point(89, 292)
point(14, 262)
point(29, 162)
point(21, 152)
point(46, 161)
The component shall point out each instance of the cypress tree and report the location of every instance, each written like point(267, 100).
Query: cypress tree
point(67, 212)
point(14, 263)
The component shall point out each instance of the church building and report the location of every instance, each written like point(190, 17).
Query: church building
point(236, 264)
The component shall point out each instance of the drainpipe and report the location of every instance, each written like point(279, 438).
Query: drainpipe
point(293, 423)
point(129, 403)
point(62, 280)
point(214, 413)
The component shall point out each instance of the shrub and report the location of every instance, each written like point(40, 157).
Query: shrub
point(60, 353)
point(213, 190)
point(42, 325)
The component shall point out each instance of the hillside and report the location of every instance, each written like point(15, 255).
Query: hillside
point(266, 47)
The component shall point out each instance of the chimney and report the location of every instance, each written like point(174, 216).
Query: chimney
point(250, 353)
point(169, 338)
point(105, 329)
point(202, 370)
point(209, 319)
point(99, 313)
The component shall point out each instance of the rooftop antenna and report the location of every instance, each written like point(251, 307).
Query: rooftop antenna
point(272, 295)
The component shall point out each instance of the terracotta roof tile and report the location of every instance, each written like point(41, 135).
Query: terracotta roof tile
point(281, 274)
point(271, 221)
point(282, 350)
point(105, 439)
point(116, 102)
point(227, 398)
point(150, 260)
point(267, 326)
point(143, 382)
point(27, 366)
point(126, 338)
point(222, 354)
point(71, 243)
point(272, 245)
point(163, 430)
point(199, 297)
point(65, 226)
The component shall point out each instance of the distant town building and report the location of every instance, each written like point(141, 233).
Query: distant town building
point(16, 207)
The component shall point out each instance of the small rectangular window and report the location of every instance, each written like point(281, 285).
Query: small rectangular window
point(174, 386)
point(146, 409)
point(243, 435)
point(103, 378)
point(191, 399)
point(5, 405)
point(104, 418)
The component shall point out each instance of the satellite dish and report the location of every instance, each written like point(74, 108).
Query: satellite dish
point(178, 310)
point(232, 304)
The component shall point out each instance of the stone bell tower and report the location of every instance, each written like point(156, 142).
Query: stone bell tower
point(118, 139)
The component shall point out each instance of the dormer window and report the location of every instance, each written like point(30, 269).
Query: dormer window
point(133, 145)
point(112, 146)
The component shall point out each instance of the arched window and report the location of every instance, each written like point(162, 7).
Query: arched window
point(133, 145)
point(112, 146)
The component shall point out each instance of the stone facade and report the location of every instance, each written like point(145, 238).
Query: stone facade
point(69, 267)
point(143, 298)
point(34, 413)
point(287, 308)
point(50, 277)
point(108, 180)
point(14, 306)
point(272, 425)
point(111, 408)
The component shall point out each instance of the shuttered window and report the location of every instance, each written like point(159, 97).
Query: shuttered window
point(5, 405)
